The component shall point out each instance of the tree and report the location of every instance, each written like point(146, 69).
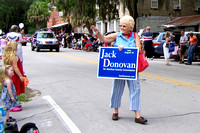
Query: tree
point(132, 7)
point(78, 13)
point(39, 13)
point(66, 6)
point(12, 12)
point(107, 9)
point(84, 12)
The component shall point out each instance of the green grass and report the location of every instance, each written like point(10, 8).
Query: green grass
point(22, 97)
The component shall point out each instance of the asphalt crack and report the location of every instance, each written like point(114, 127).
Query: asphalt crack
point(48, 111)
point(178, 115)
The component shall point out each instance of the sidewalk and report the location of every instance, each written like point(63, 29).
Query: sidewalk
point(37, 111)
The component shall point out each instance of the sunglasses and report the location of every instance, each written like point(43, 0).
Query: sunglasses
point(124, 26)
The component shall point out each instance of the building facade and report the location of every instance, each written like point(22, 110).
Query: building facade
point(154, 13)
point(56, 22)
point(55, 18)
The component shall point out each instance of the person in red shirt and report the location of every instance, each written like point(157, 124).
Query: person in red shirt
point(193, 42)
point(10, 58)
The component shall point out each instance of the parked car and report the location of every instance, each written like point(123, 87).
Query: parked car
point(175, 54)
point(158, 42)
point(155, 34)
point(44, 40)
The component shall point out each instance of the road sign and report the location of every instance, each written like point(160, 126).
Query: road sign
point(171, 47)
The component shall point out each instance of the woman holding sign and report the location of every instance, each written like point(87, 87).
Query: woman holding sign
point(124, 38)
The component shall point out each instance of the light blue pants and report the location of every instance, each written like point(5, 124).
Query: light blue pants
point(134, 93)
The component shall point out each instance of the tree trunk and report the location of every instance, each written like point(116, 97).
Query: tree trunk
point(38, 25)
point(122, 4)
point(89, 29)
point(132, 7)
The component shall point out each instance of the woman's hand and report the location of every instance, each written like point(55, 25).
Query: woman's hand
point(13, 99)
point(120, 48)
point(109, 38)
point(140, 50)
point(95, 29)
point(21, 78)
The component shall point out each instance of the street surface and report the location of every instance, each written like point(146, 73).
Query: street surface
point(74, 100)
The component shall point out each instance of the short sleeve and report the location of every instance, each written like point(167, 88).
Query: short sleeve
point(20, 38)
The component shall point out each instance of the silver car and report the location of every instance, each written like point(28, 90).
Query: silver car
point(44, 40)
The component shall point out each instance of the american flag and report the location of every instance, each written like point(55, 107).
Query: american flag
point(49, 30)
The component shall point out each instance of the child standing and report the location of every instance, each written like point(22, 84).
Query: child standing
point(10, 58)
point(8, 93)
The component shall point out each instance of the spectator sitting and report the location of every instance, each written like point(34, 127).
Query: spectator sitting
point(73, 43)
point(94, 45)
point(78, 44)
point(107, 44)
point(86, 43)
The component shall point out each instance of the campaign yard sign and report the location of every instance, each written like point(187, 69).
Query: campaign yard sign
point(171, 47)
point(117, 64)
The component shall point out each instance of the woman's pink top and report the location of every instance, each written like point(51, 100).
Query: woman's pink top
point(3, 42)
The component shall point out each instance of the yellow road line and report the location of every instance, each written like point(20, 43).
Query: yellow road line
point(81, 59)
point(176, 82)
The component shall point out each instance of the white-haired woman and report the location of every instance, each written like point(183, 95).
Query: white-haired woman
point(124, 38)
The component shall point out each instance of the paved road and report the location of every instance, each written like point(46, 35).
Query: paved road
point(74, 100)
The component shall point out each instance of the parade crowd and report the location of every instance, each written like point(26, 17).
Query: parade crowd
point(89, 43)
point(180, 48)
point(85, 42)
point(12, 73)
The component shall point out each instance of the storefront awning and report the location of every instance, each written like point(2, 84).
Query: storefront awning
point(185, 21)
point(58, 25)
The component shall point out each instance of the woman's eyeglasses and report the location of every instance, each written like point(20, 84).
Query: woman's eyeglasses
point(124, 26)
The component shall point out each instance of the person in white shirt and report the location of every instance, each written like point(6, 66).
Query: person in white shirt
point(14, 35)
point(183, 46)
